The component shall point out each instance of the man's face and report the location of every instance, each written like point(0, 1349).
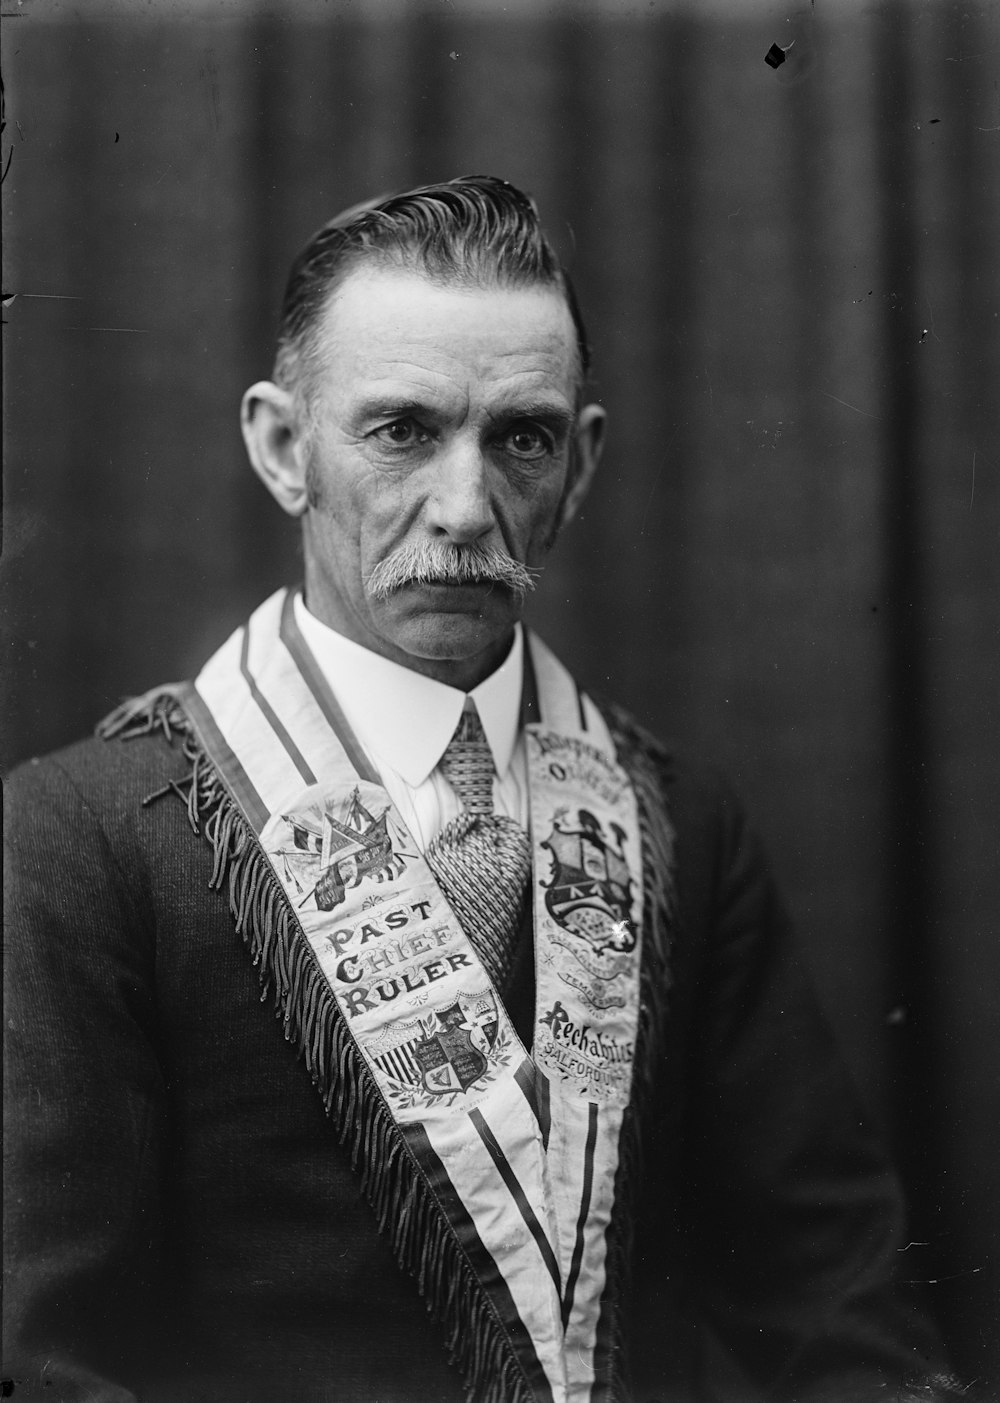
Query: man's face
point(441, 415)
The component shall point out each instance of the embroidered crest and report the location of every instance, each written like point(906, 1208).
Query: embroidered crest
point(453, 1055)
point(443, 1054)
point(590, 890)
point(348, 848)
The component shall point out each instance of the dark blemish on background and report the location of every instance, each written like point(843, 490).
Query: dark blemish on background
point(3, 128)
point(116, 136)
point(924, 335)
point(933, 120)
point(9, 297)
point(774, 57)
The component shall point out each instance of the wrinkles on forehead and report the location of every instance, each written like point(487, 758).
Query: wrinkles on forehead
point(401, 341)
point(352, 327)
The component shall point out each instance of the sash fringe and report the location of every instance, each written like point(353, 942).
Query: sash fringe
point(404, 1206)
point(644, 759)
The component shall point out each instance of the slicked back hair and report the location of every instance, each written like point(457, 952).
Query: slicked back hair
point(474, 231)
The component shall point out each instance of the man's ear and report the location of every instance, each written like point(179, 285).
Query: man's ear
point(589, 441)
point(276, 444)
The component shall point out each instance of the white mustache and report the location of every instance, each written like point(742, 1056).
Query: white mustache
point(443, 562)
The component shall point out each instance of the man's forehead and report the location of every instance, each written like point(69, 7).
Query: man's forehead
point(377, 316)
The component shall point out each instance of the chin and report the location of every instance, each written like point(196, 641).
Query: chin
point(450, 636)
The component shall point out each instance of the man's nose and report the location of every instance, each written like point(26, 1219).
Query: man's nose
point(459, 504)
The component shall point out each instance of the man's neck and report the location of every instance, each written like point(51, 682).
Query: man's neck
point(404, 718)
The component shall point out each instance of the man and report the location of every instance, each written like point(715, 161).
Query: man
point(549, 1070)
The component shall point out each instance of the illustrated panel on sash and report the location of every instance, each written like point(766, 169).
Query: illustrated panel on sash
point(588, 904)
point(588, 900)
point(418, 1003)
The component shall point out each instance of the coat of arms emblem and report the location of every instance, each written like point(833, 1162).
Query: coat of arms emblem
point(445, 1052)
point(349, 847)
point(454, 1053)
point(590, 890)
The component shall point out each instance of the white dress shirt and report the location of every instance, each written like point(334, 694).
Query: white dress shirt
point(403, 722)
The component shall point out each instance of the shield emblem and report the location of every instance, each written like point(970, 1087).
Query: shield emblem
point(448, 1059)
point(589, 892)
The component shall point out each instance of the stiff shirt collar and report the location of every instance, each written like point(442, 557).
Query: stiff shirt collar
point(404, 719)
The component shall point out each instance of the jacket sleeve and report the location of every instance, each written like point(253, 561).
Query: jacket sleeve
point(83, 1099)
point(798, 1213)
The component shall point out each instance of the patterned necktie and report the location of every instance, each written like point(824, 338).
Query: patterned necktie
point(481, 859)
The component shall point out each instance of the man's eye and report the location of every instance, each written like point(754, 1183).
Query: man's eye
point(526, 441)
point(401, 433)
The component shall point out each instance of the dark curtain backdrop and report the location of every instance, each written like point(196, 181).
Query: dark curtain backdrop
point(790, 564)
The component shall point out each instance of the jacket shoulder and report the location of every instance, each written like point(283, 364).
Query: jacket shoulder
point(86, 761)
point(98, 841)
point(110, 779)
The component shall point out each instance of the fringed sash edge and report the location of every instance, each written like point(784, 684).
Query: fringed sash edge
point(639, 754)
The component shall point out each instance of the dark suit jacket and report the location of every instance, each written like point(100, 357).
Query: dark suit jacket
point(183, 1223)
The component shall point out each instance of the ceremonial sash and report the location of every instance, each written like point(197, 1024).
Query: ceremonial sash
point(516, 1153)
